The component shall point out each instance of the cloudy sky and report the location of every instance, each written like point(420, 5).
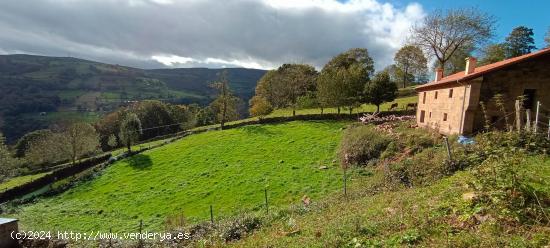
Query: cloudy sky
point(206, 33)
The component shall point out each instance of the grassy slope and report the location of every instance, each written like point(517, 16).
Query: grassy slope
point(228, 169)
point(425, 216)
point(16, 181)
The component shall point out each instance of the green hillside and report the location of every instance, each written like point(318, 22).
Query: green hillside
point(227, 169)
point(84, 90)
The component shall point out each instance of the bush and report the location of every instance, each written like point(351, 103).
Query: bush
point(361, 144)
point(425, 167)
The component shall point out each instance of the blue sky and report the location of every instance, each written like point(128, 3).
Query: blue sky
point(534, 14)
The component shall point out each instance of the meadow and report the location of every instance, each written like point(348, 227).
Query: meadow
point(227, 169)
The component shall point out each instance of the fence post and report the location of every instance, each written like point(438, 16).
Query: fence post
point(446, 139)
point(518, 116)
point(110, 236)
point(211, 215)
point(537, 117)
point(528, 120)
point(549, 128)
point(266, 202)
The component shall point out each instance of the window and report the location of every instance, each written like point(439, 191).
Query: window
point(430, 114)
point(444, 116)
point(422, 114)
point(424, 98)
point(451, 93)
point(436, 95)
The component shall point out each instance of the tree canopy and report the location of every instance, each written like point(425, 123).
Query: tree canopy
point(342, 80)
point(79, 139)
point(442, 34)
point(259, 106)
point(130, 130)
point(411, 61)
point(285, 85)
point(380, 90)
point(493, 53)
point(519, 42)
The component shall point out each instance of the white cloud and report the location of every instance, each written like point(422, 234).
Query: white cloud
point(211, 33)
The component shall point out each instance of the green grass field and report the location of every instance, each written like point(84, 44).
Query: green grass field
point(227, 169)
point(16, 181)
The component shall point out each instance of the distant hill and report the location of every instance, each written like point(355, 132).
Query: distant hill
point(40, 90)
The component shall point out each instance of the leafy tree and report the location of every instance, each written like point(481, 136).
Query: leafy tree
point(259, 106)
point(381, 89)
point(205, 116)
point(112, 142)
point(109, 125)
point(79, 139)
point(457, 62)
point(441, 34)
point(519, 42)
point(46, 149)
point(23, 144)
point(7, 162)
point(493, 53)
point(342, 80)
point(130, 130)
point(284, 86)
point(225, 106)
point(411, 61)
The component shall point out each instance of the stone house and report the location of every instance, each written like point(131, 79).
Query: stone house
point(451, 104)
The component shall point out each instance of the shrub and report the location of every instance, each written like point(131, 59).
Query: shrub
point(425, 167)
point(361, 144)
point(504, 191)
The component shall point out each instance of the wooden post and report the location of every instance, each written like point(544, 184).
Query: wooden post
point(518, 116)
point(448, 148)
point(110, 236)
point(211, 215)
point(549, 128)
point(266, 202)
point(535, 127)
point(528, 120)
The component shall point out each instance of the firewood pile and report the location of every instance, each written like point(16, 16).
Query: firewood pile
point(375, 119)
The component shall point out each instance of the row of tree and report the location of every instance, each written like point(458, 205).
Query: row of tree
point(346, 81)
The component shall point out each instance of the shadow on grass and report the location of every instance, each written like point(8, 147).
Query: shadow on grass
point(140, 162)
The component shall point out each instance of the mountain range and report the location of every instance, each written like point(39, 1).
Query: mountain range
point(37, 91)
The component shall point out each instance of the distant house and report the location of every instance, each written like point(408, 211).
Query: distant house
point(451, 104)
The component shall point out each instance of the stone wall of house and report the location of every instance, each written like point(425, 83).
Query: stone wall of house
point(444, 112)
point(462, 109)
point(512, 83)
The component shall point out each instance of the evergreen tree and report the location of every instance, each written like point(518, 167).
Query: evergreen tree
point(519, 42)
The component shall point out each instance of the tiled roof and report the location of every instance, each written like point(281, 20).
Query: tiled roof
point(480, 71)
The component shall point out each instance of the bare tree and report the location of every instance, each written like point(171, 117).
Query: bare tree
point(226, 104)
point(441, 34)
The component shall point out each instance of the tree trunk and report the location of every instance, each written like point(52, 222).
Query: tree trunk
point(129, 146)
point(405, 78)
point(293, 112)
point(350, 110)
point(338, 109)
point(322, 109)
point(378, 108)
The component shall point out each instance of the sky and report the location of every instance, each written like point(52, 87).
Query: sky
point(259, 34)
